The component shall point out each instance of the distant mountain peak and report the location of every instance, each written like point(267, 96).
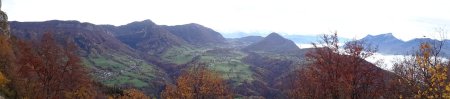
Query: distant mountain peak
point(196, 34)
point(143, 22)
point(385, 35)
point(273, 34)
point(191, 25)
point(386, 43)
point(194, 24)
point(147, 20)
point(273, 43)
point(422, 40)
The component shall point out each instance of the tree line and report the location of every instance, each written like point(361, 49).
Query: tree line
point(340, 72)
point(48, 70)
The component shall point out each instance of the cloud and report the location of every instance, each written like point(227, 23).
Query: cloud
point(351, 18)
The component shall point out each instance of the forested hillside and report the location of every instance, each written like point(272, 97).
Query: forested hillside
point(142, 60)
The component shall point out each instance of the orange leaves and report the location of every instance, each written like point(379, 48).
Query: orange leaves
point(336, 72)
point(197, 83)
point(5, 60)
point(435, 75)
point(3, 80)
point(5, 48)
point(128, 94)
point(81, 93)
point(170, 92)
point(133, 94)
point(47, 70)
point(425, 75)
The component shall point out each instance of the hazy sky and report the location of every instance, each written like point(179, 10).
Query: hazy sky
point(351, 18)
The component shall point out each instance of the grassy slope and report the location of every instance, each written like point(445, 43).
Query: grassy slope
point(180, 55)
point(116, 70)
point(229, 66)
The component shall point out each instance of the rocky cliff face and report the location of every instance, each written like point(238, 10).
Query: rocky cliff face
point(4, 27)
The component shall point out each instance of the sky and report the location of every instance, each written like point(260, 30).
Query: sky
point(406, 19)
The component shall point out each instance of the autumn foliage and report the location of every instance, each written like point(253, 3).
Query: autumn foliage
point(128, 94)
point(336, 72)
point(197, 83)
point(6, 57)
point(45, 70)
point(424, 75)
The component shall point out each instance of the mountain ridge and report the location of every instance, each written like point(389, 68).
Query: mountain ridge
point(147, 36)
point(273, 43)
point(254, 68)
point(389, 44)
point(111, 62)
point(195, 33)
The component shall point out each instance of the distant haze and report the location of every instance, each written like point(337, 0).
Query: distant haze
point(406, 19)
point(387, 61)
